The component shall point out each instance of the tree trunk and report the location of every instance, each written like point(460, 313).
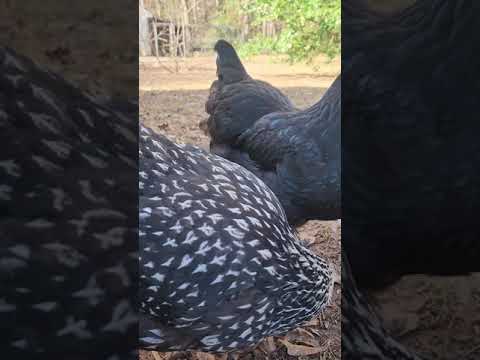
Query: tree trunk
point(155, 35)
point(194, 11)
point(245, 27)
point(171, 38)
point(185, 26)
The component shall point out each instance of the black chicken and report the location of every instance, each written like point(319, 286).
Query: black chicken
point(296, 153)
point(220, 267)
point(411, 155)
point(236, 100)
point(363, 336)
point(68, 260)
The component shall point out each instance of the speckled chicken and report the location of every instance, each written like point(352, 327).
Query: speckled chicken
point(221, 268)
point(411, 155)
point(296, 153)
point(68, 252)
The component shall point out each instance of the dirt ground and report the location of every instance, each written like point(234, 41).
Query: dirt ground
point(75, 40)
point(174, 103)
point(438, 317)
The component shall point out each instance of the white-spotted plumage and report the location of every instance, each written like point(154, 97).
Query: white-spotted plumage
point(232, 270)
point(68, 226)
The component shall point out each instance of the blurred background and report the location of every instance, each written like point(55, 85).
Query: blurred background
point(75, 39)
point(299, 29)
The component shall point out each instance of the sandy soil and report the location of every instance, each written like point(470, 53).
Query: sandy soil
point(173, 104)
point(86, 42)
point(198, 73)
point(437, 316)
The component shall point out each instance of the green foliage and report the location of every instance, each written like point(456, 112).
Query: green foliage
point(259, 45)
point(309, 27)
point(305, 28)
point(228, 21)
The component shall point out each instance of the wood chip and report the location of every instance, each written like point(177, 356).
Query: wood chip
point(300, 350)
point(157, 356)
point(205, 356)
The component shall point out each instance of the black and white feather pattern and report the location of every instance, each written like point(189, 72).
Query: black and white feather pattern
point(220, 267)
point(68, 257)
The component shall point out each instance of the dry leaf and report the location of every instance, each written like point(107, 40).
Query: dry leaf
point(314, 322)
point(271, 344)
point(268, 345)
point(303, 332)
point(300, 350)
point(202, 356)
point(158, 356)
point(303, 336)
